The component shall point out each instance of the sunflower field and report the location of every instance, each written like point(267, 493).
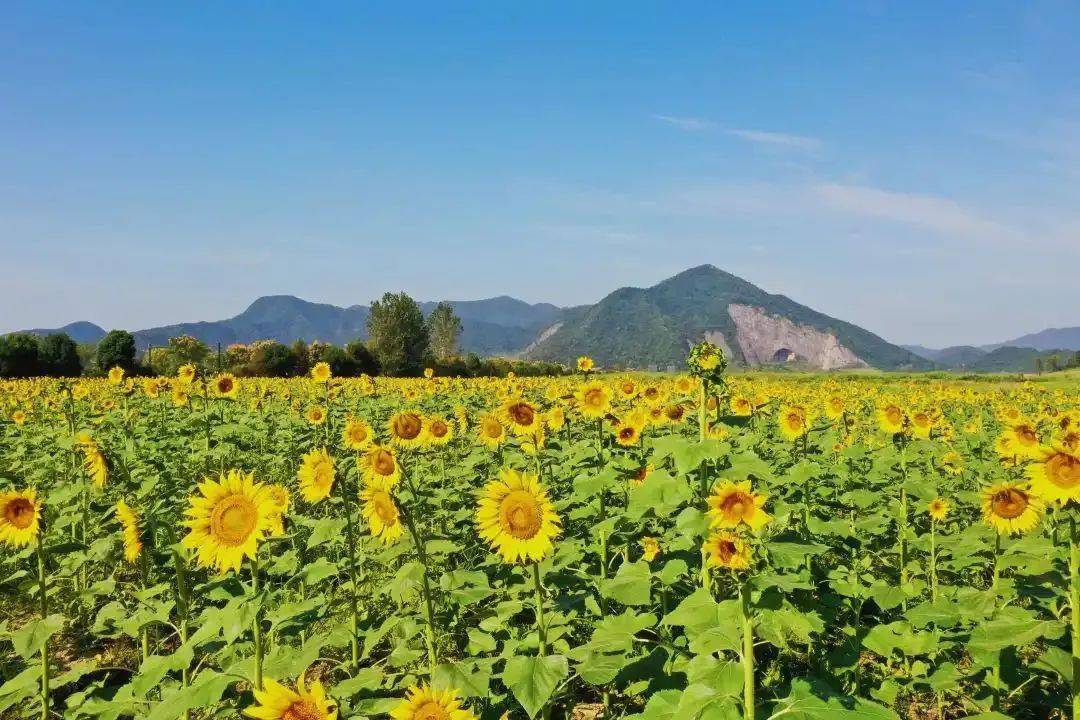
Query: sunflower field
point(649, 547)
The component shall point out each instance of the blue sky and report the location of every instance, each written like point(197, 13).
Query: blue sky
point(913, 167)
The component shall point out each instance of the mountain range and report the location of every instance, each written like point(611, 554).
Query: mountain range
point(630, 327)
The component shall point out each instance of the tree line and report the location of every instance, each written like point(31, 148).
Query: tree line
point(401, 342)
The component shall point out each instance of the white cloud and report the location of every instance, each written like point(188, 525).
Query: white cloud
point(931, 212)
point(778, 140)
point(690, 124)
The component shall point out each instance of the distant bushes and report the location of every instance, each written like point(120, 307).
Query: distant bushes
point(25, 355)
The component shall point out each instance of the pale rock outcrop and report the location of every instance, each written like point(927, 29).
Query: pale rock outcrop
point(760, 336)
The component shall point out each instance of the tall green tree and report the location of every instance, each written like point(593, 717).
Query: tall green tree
point(398, 334)
point(59, 356)
point(19, 355)
point(116, 349)
point(444, 329)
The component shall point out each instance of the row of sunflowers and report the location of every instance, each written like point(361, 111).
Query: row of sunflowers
point(652, 547)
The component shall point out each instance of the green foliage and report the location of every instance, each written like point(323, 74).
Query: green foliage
point(116, 349)
point(399, 335)
point(19, 355)
point(444, 328)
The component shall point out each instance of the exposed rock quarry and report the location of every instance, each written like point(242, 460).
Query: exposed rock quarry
point(765, 338)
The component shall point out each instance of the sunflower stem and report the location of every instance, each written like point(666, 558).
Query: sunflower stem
point(702, 417)
point(541, 626)
point(44, 601)
point(933, 561)
point(425, 589)
point(256, 623)
point(747, 622)
point(354, 641)
point(1074, 601)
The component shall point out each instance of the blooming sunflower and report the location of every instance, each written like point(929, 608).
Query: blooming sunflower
point(129, 520)
point(490, 431)
point(186, 374)
point(429, 373)
point(593, 400)
point(521, 417)
point(316, 415)
point(733, 503)
point(94, 462)
point(938, 508)
point(835, 407)
point(227, 519)
point(426, 703)
point(316, 475)
point(1011, 508)
point(20, 515)
point(516, 516)
point(381, 512)
point(279, 496)
point(794, 421)
point(585, 363)
point(439, 431)
point(627, 434)
point(116, 375)
point(555, 418)
point(406, 429)
point(356, 435)
point(277, 702)
point(1056, 477)
point(675, 413)
point(321, 372)
point(952, 463)
point(18, 417)
point(380, 465)
point(1024, 440)
point(640, 475)
point(922, 424)
point(727, 550)
point(741, 406)
point(650, 548)
point(891, 419)
point(627, 388)
point(225, 385)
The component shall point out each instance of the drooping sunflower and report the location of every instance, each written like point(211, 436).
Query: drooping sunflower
point(227, 519)
point(732, 503)
point(640, 475)
point(516, 516)
point(1056, 476)
point(650, 548)
point(356, 435)
point(94, 462)
point(320, 372)
point(316, 475)
point(279, 496)
point(380, 465)
point(381, 512)
point(1010, 507)
point(794, 421)
point(593, 400)
point(891, 419)
point(406, 429)
point(426, 703)
point(521, 417)
point(225, 385)
point(727, 550)
point(129, 521)
point(490, 431)
point(938, 509)
point(20, 517)
point(307, 702)
point(439, 431)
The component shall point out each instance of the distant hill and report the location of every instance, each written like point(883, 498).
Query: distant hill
point(1016, 359)
point(637, 327)
point(80, 332)
point(499, 325)
point(1049, 339)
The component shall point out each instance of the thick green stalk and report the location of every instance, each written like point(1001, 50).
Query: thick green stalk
point(702, 419)
point(44, 601)
point(746, 617)
point(541, 626)
point(425, 590)
point(1074, 600)
point(933, 560)
point(354, 641)
point(256, 624)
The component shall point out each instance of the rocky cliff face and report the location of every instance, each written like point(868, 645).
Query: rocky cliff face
point(765, 338)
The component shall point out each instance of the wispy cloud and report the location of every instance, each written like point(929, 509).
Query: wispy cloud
point(778, 140)
point(690, 124)
point(932, 212)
